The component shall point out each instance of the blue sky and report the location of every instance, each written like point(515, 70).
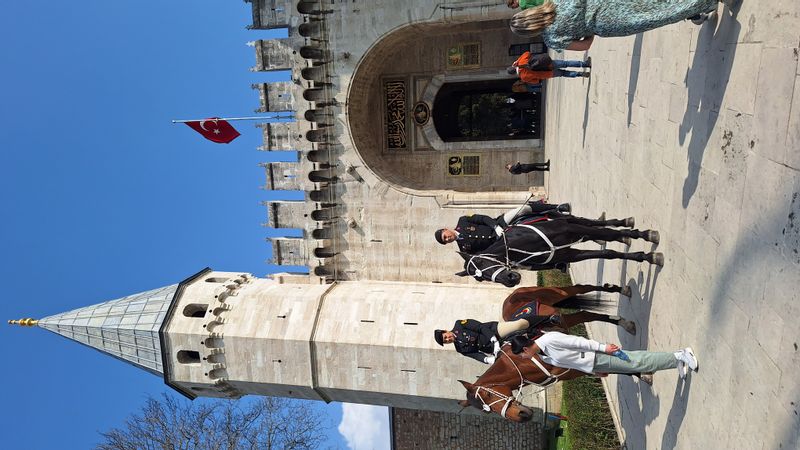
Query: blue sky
point(104, 197)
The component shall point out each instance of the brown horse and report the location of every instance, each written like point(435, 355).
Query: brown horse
point(548, 298)
point(493, 391)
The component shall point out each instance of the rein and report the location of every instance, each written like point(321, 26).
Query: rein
point(551, 380)
point(550, 253)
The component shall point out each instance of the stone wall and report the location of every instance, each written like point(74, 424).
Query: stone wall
point(430, 430)
point(368, 215)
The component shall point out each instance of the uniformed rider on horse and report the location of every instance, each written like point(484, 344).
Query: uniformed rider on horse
point(481, 341)
point(477, 232)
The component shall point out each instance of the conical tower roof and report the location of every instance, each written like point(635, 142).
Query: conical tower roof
point(126, 328)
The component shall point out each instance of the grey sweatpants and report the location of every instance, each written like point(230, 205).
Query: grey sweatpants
point(641, 361)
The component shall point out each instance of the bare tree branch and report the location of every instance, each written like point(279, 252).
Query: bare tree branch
point(168, 423)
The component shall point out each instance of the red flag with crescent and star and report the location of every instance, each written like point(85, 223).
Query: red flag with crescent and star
point(215, 130)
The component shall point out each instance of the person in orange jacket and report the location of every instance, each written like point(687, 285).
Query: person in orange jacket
point(535, 69)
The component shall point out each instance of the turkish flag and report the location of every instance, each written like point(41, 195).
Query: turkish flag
point(215, 130)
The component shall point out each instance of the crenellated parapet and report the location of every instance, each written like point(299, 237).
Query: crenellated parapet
point(273, 54)
point(282, 136)
point(269, 14)
point(276, 97)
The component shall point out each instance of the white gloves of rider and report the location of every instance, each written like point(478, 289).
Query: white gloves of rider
point(489, 360)
point(498, 230)
point(496, 347)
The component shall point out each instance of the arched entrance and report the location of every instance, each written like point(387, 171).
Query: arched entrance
point(429, 94)
point(485, 110)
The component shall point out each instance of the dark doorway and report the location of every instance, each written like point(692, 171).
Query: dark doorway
point(486, 110)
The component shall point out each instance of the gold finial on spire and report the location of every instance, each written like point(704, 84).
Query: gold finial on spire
point(27, 322)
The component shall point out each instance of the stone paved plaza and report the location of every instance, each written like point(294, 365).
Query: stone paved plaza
point(695, 131)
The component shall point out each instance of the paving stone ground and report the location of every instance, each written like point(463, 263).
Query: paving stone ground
point(695, 131)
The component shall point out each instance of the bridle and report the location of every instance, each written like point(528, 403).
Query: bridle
point(478, 273)
point(500, 398)
point(508, 399)
point(509, 263)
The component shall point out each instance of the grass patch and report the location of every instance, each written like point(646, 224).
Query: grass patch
point(555, 278)
point(590, 426)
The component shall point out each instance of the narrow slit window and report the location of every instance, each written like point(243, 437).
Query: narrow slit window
point(195, 310)
point(216, 280)
point(188, 357)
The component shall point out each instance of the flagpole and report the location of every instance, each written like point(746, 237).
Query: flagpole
point(278, 116)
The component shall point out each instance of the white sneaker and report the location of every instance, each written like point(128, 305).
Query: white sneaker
point(687, 356)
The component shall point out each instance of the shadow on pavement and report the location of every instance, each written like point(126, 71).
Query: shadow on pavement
point(586, 111)
point(633, 78)
point(676, 414)
point(706, 81)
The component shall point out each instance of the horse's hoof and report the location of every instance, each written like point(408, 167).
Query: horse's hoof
point(656, 258)
point(626, 291)
point(628, 326)
point(626, 241)
point(630, 222)
point(652, 236)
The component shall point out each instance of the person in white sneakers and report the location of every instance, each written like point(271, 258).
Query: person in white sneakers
point(574, 352)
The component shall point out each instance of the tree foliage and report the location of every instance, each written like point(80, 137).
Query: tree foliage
point(168, 423)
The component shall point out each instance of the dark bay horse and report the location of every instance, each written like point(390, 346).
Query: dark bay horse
point(547, 245)
point(546, 300)
point(493, 391)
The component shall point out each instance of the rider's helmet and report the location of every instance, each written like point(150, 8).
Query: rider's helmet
point(438, 336)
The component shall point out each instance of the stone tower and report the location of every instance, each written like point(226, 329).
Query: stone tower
point(225, 334)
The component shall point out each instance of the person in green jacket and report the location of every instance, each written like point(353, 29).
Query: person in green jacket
point(523, 4)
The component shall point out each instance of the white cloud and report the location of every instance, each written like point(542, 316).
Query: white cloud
point(365, 427)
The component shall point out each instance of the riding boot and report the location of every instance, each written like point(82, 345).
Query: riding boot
point(539, 207)
point(536, 321)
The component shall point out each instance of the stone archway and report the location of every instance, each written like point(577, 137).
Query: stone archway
point(405, 69)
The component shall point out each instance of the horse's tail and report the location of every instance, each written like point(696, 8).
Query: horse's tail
point(588, 303)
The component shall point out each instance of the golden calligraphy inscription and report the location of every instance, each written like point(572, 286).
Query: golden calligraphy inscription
point(395, 92)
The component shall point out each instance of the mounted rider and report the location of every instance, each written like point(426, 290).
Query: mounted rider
point(477, 232)
point(481, 340)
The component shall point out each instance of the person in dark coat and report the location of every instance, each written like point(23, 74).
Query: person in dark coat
point(481, 341)
point(477, 232)
point(520, 168)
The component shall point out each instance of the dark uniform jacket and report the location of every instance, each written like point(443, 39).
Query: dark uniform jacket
point(475, 233)
point(474, 339)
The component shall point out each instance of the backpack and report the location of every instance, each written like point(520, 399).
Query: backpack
point(540, 62)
